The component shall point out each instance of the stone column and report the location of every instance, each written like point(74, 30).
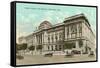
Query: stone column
point(35, 41)
point(84, 45)
point(45, 37)
point(42, 42)
point(77, 44)
point(65, 33)
point(58, 47)
point(54, 47)
point(42, 38)
point(49, 47)
point(54, 38)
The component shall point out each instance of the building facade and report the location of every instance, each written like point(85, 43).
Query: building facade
point(73, 33)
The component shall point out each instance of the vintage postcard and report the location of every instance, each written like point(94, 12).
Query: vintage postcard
point(54, 33)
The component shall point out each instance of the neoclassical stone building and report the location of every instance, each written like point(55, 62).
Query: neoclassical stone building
point(75, 30)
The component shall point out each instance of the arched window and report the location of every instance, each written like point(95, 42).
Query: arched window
point(52, 48)
point(80, 43)
point(60, 36)
point(56, 47)
point(56, 38)
point(52, 39)
point(60, 47)
point(48, 48)
point(48, 39)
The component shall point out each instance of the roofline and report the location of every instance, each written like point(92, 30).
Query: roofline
point(77, 16)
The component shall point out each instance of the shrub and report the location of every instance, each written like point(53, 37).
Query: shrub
point(91, 54)
point(19, 57)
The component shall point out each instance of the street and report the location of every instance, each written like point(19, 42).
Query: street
point(40, 59)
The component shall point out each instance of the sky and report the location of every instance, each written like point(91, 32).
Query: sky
point(29, 16)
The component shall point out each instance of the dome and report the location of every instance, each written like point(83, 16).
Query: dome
point(45, 25)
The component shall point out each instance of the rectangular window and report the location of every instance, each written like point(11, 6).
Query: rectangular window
point(73, 29)
point(52, 39)
point(80, 28)
point(48, 39)
point(68, 30)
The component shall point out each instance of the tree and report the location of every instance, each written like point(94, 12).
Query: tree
point(68, 45)
point(31, 48)
point(39, 47)
point(24, 47)
point(18, 54)
point(80, 43)
point(18, 48)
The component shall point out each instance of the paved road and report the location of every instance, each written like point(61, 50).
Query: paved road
point(40, 59)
